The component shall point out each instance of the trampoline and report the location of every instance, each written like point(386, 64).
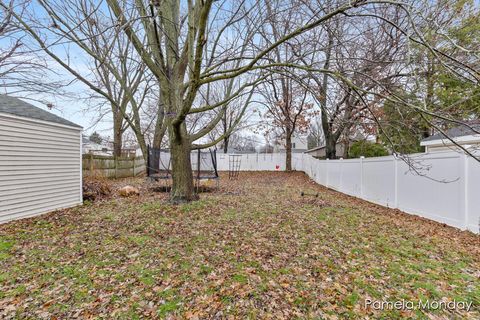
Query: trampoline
point(159, 166)
point(204, 165)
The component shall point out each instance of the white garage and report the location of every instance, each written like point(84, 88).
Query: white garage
point(40, 161)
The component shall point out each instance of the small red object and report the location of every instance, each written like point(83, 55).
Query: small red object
point(277, 167)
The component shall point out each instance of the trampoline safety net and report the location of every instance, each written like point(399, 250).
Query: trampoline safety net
point(204, 164)
point(159, 163)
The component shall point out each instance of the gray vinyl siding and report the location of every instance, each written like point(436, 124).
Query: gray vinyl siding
point(40, 167)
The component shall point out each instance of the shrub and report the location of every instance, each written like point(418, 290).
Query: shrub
point(367, 149)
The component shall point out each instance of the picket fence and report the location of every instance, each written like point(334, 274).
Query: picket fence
point(443, 186)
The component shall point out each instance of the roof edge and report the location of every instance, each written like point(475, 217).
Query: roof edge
point(14, 116)
point(314, 149)
point(473, 138)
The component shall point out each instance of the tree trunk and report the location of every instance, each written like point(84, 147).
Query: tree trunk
point(225, 129)
point(182, 176)
point(117, 143)
point(346, 147)
point(330, 147)
point(288, 151)
point(159, 128)
point(143, 146)
point(225, 144)
point(117, 133)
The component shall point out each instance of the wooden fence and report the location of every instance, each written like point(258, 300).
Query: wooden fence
point(112, 167)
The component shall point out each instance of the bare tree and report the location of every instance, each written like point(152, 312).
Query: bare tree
point(233, 117)
point(128, 87)
point(288, 110)
point(369, 54)
point(117, 77)
point(181, 40)
point(188, 47)
point(315, 133)
point(243, 142)
point(23, 71)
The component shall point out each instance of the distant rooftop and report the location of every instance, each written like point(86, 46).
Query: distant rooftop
point(455, 132)
point(17, 107)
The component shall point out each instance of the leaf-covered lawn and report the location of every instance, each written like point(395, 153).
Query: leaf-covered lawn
point(254, 249)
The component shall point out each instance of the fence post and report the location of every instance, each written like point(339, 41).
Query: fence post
point(133, 166)
point(302, 165)
point(91, 164)
point(465, 188)
point(146, 161)
point(395, 166)
point(361, 176)
point(326, 178)
point(341, 175)
point(115, 163)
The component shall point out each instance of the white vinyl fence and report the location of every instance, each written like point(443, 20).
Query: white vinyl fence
point(444, 187)
point(255, 162)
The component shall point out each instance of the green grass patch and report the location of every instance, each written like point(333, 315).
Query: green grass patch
point(240, 278)
point(169, 307)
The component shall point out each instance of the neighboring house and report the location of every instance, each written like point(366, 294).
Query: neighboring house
point(462, 135)
point(106, 149)
point(320, 152)
point(40, 161)
point(299, 144)
point(90, 147)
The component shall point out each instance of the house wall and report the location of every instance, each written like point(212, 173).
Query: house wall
point(298, 144)
point(40, 167)
point(318, 153)
point(321, 153)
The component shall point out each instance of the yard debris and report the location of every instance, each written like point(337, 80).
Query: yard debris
point(317, 202)
point(128, 191)
point(95, 188)
point(303, 194)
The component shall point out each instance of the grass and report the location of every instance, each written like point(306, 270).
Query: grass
point(254, 249)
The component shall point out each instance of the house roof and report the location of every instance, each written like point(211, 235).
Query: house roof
point(17, 107)
point(357, 137)
point(456, 132)
point(314, 149)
